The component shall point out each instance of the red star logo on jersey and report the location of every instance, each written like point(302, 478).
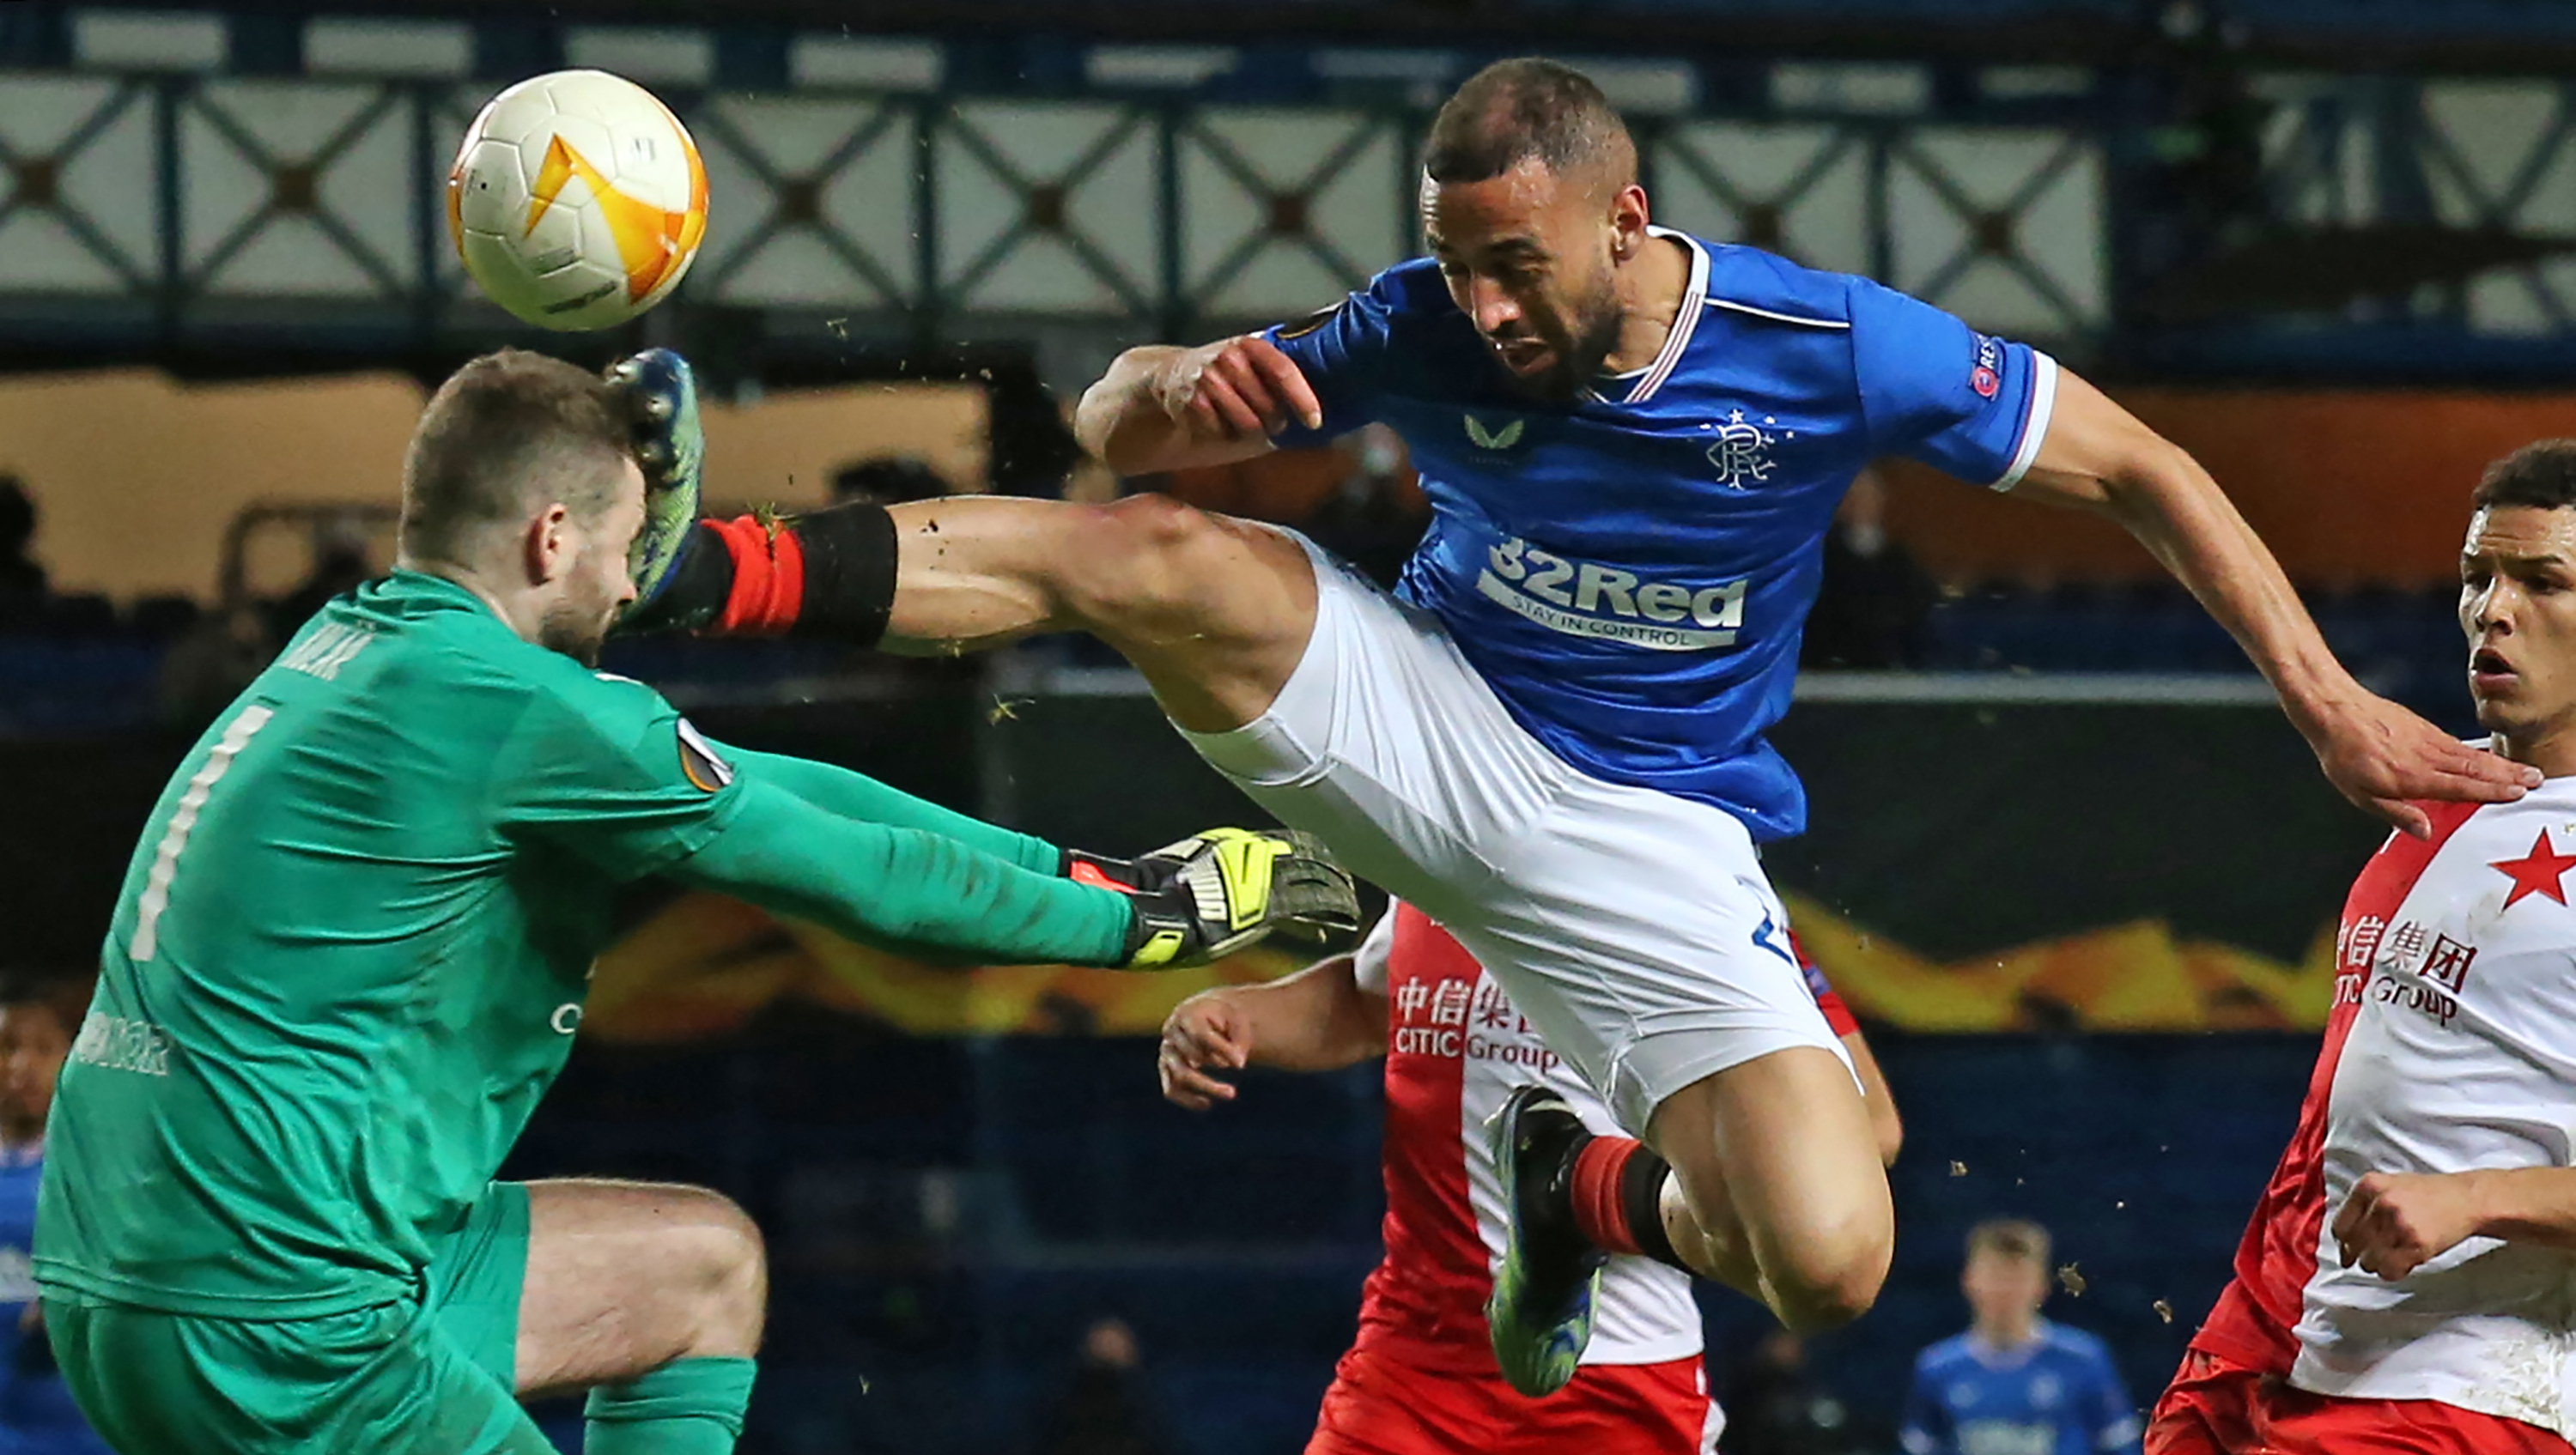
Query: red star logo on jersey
point(2536, 872)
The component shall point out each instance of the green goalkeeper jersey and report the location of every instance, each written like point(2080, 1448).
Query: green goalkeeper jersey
point(354, 943)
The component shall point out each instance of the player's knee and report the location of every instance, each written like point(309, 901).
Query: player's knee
point(1138, 559)
point(1829, 1277)
point(726, 1265)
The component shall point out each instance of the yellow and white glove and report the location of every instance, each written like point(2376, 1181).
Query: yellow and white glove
point(1214, 893)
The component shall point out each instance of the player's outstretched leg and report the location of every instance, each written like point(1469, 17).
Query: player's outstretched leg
point(650, 1296)
point(1215, 612)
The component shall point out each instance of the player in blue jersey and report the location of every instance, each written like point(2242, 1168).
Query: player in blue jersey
point(37, 1016)
point(2014, 1383)
point(1551, 737)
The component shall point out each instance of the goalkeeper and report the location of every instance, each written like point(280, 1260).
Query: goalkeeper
point(353, 947)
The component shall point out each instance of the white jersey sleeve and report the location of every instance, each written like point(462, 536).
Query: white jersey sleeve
point(1368, 963)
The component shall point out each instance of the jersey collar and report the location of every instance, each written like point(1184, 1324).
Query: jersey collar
point(2001, 1356)
point(1685, 320)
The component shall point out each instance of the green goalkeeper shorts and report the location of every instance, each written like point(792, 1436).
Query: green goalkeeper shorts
point(427, 1378)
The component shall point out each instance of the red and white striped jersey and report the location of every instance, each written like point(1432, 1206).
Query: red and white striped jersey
point(2451, 1047)
point(1456, 1049)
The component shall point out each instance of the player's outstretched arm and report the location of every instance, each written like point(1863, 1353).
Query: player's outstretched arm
point(887, 885)
point(2098, 456)
point(853, 795)
point(1165, 408)
point(1318, 1019)
point(2395, 1222)
point(1202, 898)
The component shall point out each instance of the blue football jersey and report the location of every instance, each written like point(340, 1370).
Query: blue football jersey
point(37, 1416)
point(1631, 570)
point(2059, 1394)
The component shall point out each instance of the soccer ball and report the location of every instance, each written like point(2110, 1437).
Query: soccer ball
point(577, 200)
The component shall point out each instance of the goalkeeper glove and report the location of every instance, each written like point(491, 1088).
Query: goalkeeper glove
point(659, 395)
point(1214, 893)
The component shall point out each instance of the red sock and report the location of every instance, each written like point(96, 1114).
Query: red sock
point(768, 578)
point(1600, 1180)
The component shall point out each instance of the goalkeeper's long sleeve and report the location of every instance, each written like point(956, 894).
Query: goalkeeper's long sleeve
point(855, 795)
point(891, 885)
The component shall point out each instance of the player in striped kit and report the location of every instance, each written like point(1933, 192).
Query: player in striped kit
point(1421, 1378)
point(2408, 1281)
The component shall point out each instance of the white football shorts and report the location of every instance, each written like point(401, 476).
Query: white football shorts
point(1634, 928)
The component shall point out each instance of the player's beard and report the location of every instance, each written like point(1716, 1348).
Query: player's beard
point(577, 625)
point(1592, 331)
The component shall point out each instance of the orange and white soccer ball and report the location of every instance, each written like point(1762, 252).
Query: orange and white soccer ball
point(577, 200)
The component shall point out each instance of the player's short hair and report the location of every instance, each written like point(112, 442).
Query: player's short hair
point(505, 436)
point(64, 994)
point(2541, 474)
point(2018, 1239)
point(1512, 111)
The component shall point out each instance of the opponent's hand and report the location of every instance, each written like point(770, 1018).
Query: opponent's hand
point(1207, 1030)
point(659, 395)
point(2385, 759)
point(1237, 389)
point(1214, 893)
point(2396, 1222)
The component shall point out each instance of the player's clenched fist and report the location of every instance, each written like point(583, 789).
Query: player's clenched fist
point(2396, 1222)
point(1207, 1031)
point(1240, 388)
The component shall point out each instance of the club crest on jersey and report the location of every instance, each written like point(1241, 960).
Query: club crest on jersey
point(1741, 452)
point(1493, 439)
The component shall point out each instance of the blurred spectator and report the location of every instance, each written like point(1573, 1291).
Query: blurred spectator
point(340, 563)
point(2015, 1381)
point(1105, 1411)
point(209, 665)
point(39, 1015)
point(22, 581)
point(1875, 600)
point(1375, 517)
point(1775, 1404)
point(887, 480)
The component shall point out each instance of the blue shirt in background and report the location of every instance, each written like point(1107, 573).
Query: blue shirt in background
point(2059, 1394)
point(37, 1416)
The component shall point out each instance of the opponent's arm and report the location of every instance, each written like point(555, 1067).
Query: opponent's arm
point(2395, 1222)
point(1319, 1019)
point(2097, 456)
point(1161, 407)
point(839, 791)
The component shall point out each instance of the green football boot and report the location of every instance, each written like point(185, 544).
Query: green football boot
point(1540, 1314)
